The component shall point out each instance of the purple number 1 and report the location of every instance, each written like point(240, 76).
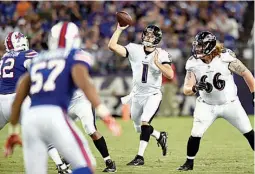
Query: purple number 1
point(145, 73)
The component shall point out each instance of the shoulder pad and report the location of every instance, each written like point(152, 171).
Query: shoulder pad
point(190, 64)
point(228, 55)
point(30, 54)
point(133, 45)
point(84, 56)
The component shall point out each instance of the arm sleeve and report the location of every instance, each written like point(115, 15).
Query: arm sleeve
point(165, 57)
point(228, 56)
point(189, 66)
point(28, 57)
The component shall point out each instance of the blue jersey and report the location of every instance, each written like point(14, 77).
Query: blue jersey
point(12, 66)
point(51, 78)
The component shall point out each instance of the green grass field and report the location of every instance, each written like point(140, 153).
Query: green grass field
point(223, 150)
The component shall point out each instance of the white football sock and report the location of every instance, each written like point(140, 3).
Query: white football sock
point(190, 157)
point(155, 134)
point(106, 158)
point(53, 153)
point(142, 147)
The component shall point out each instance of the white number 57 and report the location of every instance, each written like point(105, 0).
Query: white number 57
point(57, 66)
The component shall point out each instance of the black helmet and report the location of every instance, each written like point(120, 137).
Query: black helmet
point(152, 30)
point(205, 43)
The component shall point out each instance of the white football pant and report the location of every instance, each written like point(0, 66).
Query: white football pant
point(205, 114)
point(144, 108)
point(6, 105)
point(48, 124)
point(82, 108)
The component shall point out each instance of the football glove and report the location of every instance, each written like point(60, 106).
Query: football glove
point(199, 86)
point(103, 112)
point(12, 140)
point(112, 125)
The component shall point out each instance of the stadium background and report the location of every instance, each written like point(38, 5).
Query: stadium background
point(223, 149)
point(231, 22)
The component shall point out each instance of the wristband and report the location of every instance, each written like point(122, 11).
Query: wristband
point(194, 89)
point(102, 111)
point(13, 129)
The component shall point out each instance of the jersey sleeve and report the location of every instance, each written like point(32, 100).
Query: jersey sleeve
point(29, 55)
point(190, 65)
point(84, 58)
point(130, 48)
point(228, 56)
point(165, 57)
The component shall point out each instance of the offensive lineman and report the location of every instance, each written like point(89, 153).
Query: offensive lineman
point(148, 63)
point(209, 72)
point(51, 81)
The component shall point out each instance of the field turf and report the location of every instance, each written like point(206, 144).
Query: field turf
point(223, 150)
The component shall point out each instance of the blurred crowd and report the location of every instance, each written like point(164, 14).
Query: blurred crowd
point(180, 22)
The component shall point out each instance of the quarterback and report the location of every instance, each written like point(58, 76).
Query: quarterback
point(210, 73)
point(148, 63)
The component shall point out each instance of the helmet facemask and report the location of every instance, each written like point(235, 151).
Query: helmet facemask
point(16, 41)
point(202, 47)
point(148, 39)
point(151, 36)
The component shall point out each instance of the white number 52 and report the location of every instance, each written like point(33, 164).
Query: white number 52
point(7, 67)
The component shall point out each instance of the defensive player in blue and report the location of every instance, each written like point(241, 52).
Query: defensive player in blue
point(12, 66)
point(53, 77)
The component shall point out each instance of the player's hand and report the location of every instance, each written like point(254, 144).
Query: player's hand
point(12, 140)
point(112, 125)
point(200, 86)
point(103, 112)
point(121, 28)
point(156, 61)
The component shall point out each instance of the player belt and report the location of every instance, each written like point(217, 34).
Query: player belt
point(219, 104)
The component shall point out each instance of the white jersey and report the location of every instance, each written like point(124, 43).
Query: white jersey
point(147, 77)
point(218, 77)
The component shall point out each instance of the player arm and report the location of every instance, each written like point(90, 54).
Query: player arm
point(165, 67)
point(166, 70)
point(189, 83)
point(83, 81)
point(22, 91)
point(113, 43)
point(239, 68)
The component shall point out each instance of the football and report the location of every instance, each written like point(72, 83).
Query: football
point(124, 18)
